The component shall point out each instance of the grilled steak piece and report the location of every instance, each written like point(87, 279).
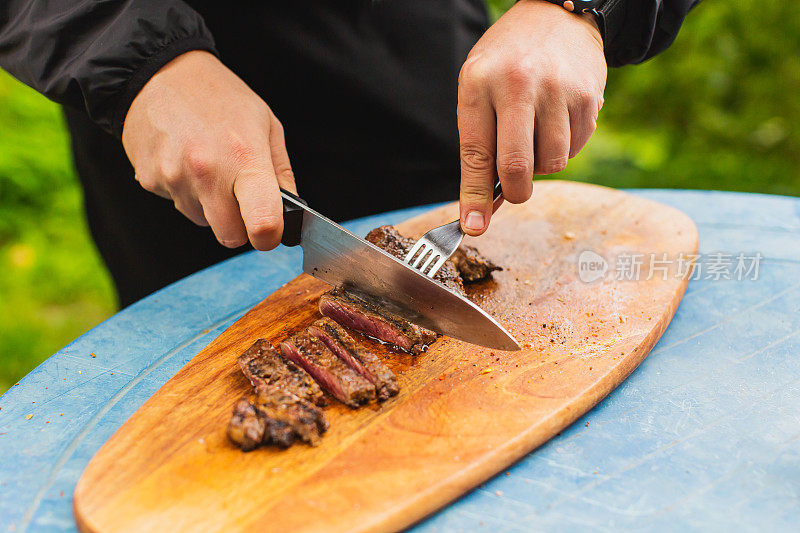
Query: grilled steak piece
point(268, 369)
point(300, 417)
point(275, 418)
point(466, 265)
point(362, 314)
point(356, 356)
point(251, 427)
point(247, 426)
point(388, 239)
point(471, 264)
point(331, 372)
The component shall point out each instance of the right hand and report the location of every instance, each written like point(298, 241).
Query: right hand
point(198, 135)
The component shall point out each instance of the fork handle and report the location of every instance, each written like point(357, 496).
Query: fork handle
point(498, 196)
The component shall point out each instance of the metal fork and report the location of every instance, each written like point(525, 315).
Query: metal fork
point(438, 244)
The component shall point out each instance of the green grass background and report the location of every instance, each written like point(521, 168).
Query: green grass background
point(718, 110)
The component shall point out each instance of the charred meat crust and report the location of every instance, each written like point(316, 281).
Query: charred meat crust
point(472, 265)
point(267, 369)
point(247, 426)
point(356, 356)
point(301, 417)
point(466, 265)
point(361, 314)
point(389, 239)
point(275, 418)
point(331, 373)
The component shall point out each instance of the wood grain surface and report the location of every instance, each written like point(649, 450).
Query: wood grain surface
point(463, 413)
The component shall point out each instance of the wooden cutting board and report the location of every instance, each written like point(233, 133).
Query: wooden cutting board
point(463, 413)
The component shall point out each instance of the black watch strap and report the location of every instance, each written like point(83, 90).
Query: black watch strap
point(579, 6)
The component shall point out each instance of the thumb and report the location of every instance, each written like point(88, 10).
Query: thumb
point(476, 198)
point(478, 136)
point(280, 157)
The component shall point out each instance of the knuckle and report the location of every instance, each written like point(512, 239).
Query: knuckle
point(551, 82)
point(170, 174)
point(475, 158)
point(146, 181)
point(277, 125)
point(555, 164)
point(285, 174)
point(518, 75)
point(586, 99)
point(263, 224)
point(241, 151)
point(515, 166)
point(199, 164)
point(550, 78)
point(471, 80)
point(475, 191)
point(474, 70)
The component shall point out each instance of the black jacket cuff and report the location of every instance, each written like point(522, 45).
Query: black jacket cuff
point(146, 71)
point(636, 30)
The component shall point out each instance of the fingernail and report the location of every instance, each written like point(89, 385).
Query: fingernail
point(474, 221)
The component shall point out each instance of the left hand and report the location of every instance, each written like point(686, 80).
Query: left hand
point(528, 98)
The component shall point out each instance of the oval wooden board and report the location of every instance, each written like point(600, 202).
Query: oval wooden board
point(463, 414)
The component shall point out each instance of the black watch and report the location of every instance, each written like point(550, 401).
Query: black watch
point(578, 6)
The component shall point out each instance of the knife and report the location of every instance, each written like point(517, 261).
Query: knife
point(342, 259)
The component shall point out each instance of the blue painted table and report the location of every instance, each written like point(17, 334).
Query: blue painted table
point(704, 434)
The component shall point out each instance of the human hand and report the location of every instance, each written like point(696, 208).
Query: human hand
point(528, 98)
point(198, 135)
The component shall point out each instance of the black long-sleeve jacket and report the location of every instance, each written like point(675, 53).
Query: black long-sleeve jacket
point(96, 55)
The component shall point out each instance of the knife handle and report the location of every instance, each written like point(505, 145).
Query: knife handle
point(292, 219)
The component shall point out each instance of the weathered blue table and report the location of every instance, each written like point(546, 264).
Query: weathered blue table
point(704, 434)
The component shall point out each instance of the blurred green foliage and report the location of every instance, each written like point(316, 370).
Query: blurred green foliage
point(53, 286)
point(718, 110)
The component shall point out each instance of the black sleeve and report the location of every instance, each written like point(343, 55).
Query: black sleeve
point(636, 30)
point(96, 55)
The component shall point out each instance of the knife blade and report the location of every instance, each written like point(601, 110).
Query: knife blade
point(342, 259)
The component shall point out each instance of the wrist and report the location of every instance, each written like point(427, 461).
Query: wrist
point(587, 19)
point(591, 18)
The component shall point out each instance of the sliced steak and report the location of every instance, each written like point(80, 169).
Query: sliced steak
point(251, 427)
point(359, 358)
point(389, 239)
point(332, 373)
point(302, 418)
point(471, 264)
point(266, 368)
point(247, 426)
point(362, 314)
point(275, 418)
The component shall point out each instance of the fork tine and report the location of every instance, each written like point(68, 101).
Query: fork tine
point(413, 251)
point(435, 268)
point(428, 262)
point(422, 257)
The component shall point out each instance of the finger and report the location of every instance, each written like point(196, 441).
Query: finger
point(148, 182)
point(182, 194)
point(515, 124)
point(221, 211)
point(478, 137)
point(260, 205)
point(191, 208)
point(280, 157)
point(582, 123)
point(551, 137)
